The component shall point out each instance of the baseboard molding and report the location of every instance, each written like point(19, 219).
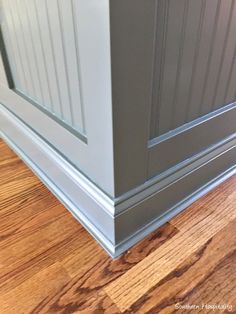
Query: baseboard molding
point(146, 216)
point(90, 205)
point(117, 224)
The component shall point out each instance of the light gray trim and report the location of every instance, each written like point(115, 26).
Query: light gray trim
point(131, 64)
point(173, 198)
point(117, 224)
point(79, 214)
point(187, 126)
point(142, 232)
point(198, 136)
point(10, 123)
point(5, 73)
point(82, 136)
point(92, 207)
point(174, 173)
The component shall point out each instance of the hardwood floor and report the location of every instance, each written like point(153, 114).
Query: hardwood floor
point(50, 264)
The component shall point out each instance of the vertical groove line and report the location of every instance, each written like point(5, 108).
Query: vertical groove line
point(34, 52)
point(234, 96)
point(152, 108)
point(223, 54)
point(160, 83)
point(26, 47)
point(54, 64)
point(209, 56)
point(7, 71)
point(65, 61)
point(152, 116)
point(230, 73)
point(195, 59)
point(179, 64)
point(19, 53)
point(44, 57)
point(78, 64)
point(10, 46)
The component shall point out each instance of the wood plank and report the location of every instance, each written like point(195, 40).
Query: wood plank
point(91, 272)
point(36, 251)
point(188, 283)
point(211, 293)
point(137, 281)
point(205, 206)
point(22, 298)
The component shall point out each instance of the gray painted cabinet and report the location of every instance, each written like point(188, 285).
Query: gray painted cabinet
point(125, 109)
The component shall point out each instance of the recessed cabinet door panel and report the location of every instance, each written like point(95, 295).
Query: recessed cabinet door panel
point(194, 61)
point(57, 59)
point(37, 31)
point(193, 83)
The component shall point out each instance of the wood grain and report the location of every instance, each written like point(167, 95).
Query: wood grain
point(50, 264)
point(137, 281)
point(184, 281)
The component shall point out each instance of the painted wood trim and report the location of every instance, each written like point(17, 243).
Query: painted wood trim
point(116, 231)
point(3, 77)
point(89, 204)
point(176, 146)
point(145, 216)
point(144, 231)
point(165, 178)
point(121, 206)
point(5, 73)
point(131, 56)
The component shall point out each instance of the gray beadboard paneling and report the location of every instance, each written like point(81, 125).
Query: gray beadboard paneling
point(194, 61)
point(41, 39)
